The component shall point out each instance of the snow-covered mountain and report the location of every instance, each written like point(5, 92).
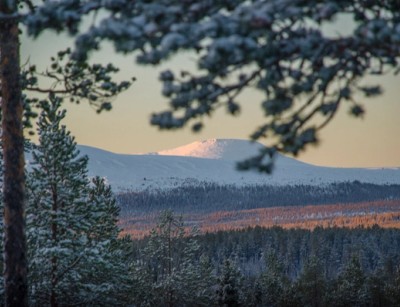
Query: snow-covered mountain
point(214, 161)
point(226, 149)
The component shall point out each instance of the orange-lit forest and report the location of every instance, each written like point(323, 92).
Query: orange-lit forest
point(334, 245)
point(384, 213)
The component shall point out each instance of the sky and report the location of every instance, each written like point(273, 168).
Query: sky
point(373, 141)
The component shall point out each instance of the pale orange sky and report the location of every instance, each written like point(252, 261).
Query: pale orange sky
point(373, 141)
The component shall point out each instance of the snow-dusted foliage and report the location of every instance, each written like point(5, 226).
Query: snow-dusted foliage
point(72, 80)
point(74, 253)
point(169, 271)
point(277, 47)
point(351, 287)
point(229, 291)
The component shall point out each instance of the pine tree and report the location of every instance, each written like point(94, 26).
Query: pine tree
point(229, 292)
point(13, 188)
point(170, 271)
point(197, 278)
point(103, 201)
point(275, 284)
point(279, 45)
point(205, 282)
point(108, 282)
point(311, 285)
point(392, 290)
point(70, 225)
point(351, 287)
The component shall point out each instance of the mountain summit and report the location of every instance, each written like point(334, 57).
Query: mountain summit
point(225, 149)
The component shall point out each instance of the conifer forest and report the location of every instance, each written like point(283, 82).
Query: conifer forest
point(78, 255)
point(73, 238)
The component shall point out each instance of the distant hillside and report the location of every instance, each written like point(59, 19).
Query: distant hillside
point(214, 161)
point(214, 207)
point(200, 181)
point(208, 197)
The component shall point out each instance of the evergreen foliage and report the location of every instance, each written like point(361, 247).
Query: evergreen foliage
point(276, 47)
point(274, 282)
point(392, 291)
point(311, 284)
point(348, 279)
point(72, 235)
point(209, 197)
point(229, 292)
point(169, 271)
point(351, 287)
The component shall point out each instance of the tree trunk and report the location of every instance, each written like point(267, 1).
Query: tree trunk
point(15, 263)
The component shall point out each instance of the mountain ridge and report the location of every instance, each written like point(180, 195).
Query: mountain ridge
point(214, 161)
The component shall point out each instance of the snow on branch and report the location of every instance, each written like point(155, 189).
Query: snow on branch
point(276, 47)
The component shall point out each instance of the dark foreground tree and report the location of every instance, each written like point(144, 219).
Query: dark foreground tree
point(15, 264)
point(68, 78)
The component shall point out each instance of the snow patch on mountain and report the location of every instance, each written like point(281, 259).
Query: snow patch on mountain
point(226, 149)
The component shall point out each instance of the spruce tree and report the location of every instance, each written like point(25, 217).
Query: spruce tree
point(229, 292)
point(170, 271)
point(392, 289)
point(311, 285)
point(103, 201)
point(196, 277)
point(70, 224)
point(275, 284)
point(351, 287)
